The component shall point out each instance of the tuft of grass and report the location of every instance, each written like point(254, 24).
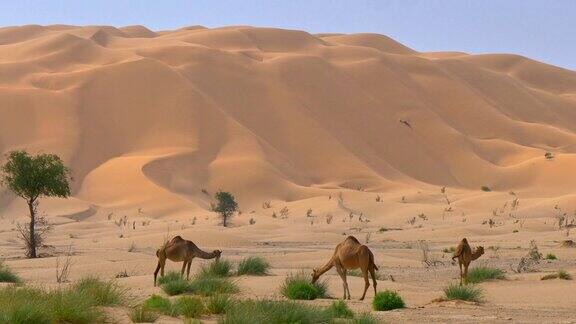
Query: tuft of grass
point(298, 286)
point(264, 312)
point(140, 314)
point(339, 309)
point(189, 307)
point(485, 188)
point(159, 304)
point(72, 306)
point(103, 293)
point(176, 287)
point(7, 275)
point(365, 318)
point(220, 268)
point(169, 276)
point(551, 256)
point(253, 266)
point(483, 273)
point(466, 292)
point(562, 274)
point(387, 300)
point(219, 304)
point(210, 285)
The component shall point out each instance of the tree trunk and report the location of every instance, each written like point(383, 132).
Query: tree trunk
point(224, 219)
point(32, 241)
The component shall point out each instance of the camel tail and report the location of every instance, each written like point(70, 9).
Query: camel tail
point(372, 261)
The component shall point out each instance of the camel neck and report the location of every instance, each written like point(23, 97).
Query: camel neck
point(205, 255)
point(326, 267)
point(476, 255)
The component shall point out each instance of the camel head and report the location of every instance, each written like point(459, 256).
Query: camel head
point(217, 254)
point(477, 252)
point(315, 275)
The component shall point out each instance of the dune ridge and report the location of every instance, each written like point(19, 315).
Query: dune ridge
point(282, 114)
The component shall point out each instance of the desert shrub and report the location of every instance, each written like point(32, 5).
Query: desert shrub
point(169, 276)
point(365, 318)
point(159, 304)
point(466, 292)
point(140, 314)
point(449, 250)
point(485, 188)
point(103, 293)
point(264, 312)
point(299, 286)
point(482, 273)
point(218, 268)
point(253, 266)
point(72, 306)
point(387, 300)
point(551, 256)
point(210, 285)
point(339, 309)
point(190, 307)
point(562, 274)
point(7, 275)
point(176, 287)
point(219, 304)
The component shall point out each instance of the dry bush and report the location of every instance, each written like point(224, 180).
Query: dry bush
point(427, 257)
point(266, 204)
point(528, 262)
point(329, 218)
point(41, 229)
point(252, 221)
point(378, 198)
point(63, 266)
point(284, 212)
point(309, 212)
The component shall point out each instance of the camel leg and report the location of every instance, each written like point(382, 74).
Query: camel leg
point(466, 273)
point(183, 268)
point(373, 274)
point(346, 276)
point(156, 273)
point(366, 282)
point(188, 269)
point(343, 277)
point(461, 273)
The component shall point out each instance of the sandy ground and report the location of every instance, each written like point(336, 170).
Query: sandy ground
point(153, 123)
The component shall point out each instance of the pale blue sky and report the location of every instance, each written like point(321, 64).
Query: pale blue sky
point(544, 30)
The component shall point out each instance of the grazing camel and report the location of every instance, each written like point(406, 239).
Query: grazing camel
point(349, 255)
point(465, 255)
point(181, 250)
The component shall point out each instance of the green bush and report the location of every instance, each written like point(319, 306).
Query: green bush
point(219, 304)
point(466, 292)
point(549, 256)
point(103, 293)
point(220, 268)
point(159, 304)
point(265, 312)
point(299, 286)
point(169, 276)
point(387, 300)
point(339, 309)
point(140, 314)
point(208, 285)
point(72, 306)
point(365, 318)
point(253, 266)
point(176, 287)
point(7, 275)
point(482, 273)
point(189, 307)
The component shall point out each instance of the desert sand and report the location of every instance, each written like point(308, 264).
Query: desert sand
point(153, 123)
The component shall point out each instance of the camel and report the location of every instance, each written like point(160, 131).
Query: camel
point(465, 255)
point(181, 250)
point(348, 255)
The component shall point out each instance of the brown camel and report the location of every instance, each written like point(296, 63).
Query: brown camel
point(465, 255)
point(181, 250)
point(349, 255)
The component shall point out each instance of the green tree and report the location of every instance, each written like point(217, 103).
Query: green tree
point(226, 206)
point(32, 177)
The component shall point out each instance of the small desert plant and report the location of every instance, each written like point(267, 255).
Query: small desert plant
point(159, 304)
point(219, 304)
point(551, 256)
point(365, 318)
point(466, 292)
point(253, 266)
point(284, 212)
point(210, 285)
point(339, 309)
point(176, 287)
point(218, 268)
point(485, 188)
point(387, 300)
point(189, 307)
point(252, 221)
point(449, 250)
point(549, 155)
point(140, 314)
point(104, 293)
point(561, 274)
point(378, 198)
point(264, 312)
point(7, 275)
point(266, 204)
point(299, 286)
point(169, 276)
point(482, 273)
point(132, 247)
point(63, 266)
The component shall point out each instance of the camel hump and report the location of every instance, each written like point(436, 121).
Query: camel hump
point(464, 240)
point(352, 238)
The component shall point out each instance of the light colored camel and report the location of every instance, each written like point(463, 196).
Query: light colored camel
point(465, 255)
point(349, 255)
point(181, 250)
